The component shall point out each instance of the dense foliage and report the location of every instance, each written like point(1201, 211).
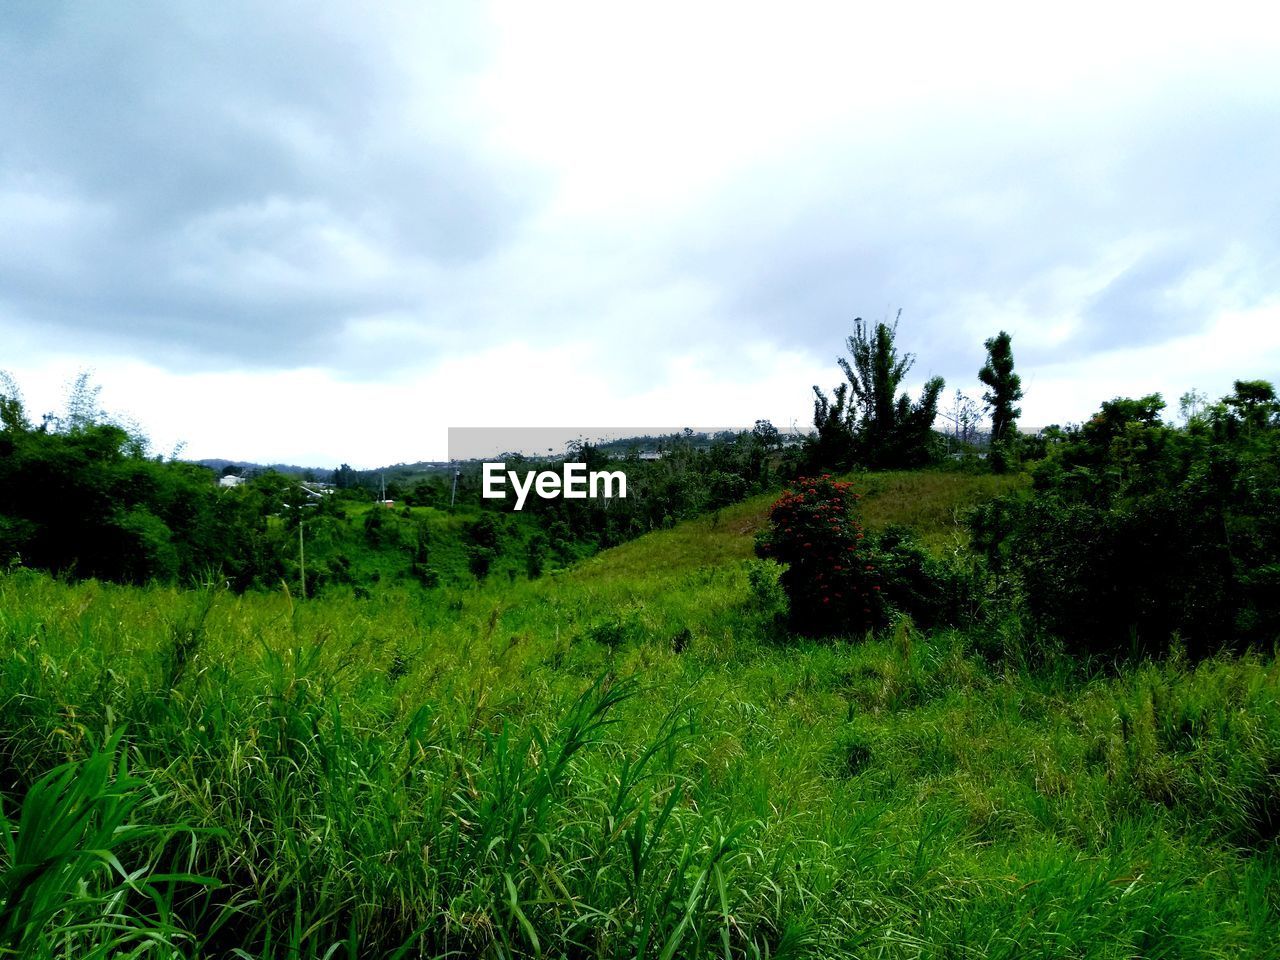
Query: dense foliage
point(87, 501)
point(687, 480)
point(1137, 531)
point(441, 774)
point(81, 496)
point(1004, 387)
point(934, 591)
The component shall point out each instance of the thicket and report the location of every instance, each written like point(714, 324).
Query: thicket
point(86, 501)
point(1136, 537)
point(1138, 534)
point(840, 580)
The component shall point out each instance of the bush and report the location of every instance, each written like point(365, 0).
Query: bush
point(1138, 533)
point(616, 629)
point(483, 539)
point(932, 591)
point(830, 579)
point(765, 580)
point(725, 489)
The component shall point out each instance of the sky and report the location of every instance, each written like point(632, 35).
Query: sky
point(318, 233)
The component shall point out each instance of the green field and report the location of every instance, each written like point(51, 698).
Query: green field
point(628, 758)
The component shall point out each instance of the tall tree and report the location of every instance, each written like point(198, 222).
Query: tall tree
point(874, 374)
point(1254, 402)
point(1005, 386)
point(890, 430)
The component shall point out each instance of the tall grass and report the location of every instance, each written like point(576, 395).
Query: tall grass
point(620, 761)
point(65, 889)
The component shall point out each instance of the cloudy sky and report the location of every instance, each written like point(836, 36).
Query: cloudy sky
point(324, 232)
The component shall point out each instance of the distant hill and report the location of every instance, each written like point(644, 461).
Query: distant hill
point(401, 472)
point(218, 465)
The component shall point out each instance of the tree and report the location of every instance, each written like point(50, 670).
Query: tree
point(890, 430)
point(964, 417)
point(82, 404)
point(866, 419)
point(1115, 415)
point(1005, 386)
point(833, 422)
point(344, 478)
point(914, 427)
point(1254, 402)
point(13, 417)
point(766, 435)
point(483, 540)
point(874, 375)
point(1192, 404)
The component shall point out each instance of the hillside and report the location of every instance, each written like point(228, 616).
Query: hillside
point(631, 758)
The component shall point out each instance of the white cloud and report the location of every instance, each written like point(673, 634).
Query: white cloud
point(405, 217)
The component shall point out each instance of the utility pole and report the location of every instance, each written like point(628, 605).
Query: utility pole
point(453, 497)
point(302, 561)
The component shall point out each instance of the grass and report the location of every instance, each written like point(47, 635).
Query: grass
point(627, 759)
point(932, 503)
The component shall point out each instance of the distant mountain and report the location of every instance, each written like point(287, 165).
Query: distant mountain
point(218, 465)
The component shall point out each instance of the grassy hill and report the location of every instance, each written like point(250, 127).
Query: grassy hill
point(629, 758)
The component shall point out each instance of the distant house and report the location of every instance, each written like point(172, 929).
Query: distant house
point(650, 454)
point(387, 503)
point(229, 481)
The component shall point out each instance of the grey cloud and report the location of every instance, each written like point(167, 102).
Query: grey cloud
point(239, 181)
point(985, 219)
point(253, 184)
point(1138, 303)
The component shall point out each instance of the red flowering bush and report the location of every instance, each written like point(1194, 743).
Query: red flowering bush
point(830, 578)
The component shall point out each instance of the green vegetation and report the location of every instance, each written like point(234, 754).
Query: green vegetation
point(951, 712)
point(866, 421)
point(828, 572)
point(81, 496)
point(626, 760)
point(1004, 387)
point(1137, 534)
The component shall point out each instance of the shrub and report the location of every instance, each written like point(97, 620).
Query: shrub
point(932, 591)
point(725, 489)
point(620, 626)
point(483, 539)
point(830, 579)
point(1137, 533)
point(765, 580)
